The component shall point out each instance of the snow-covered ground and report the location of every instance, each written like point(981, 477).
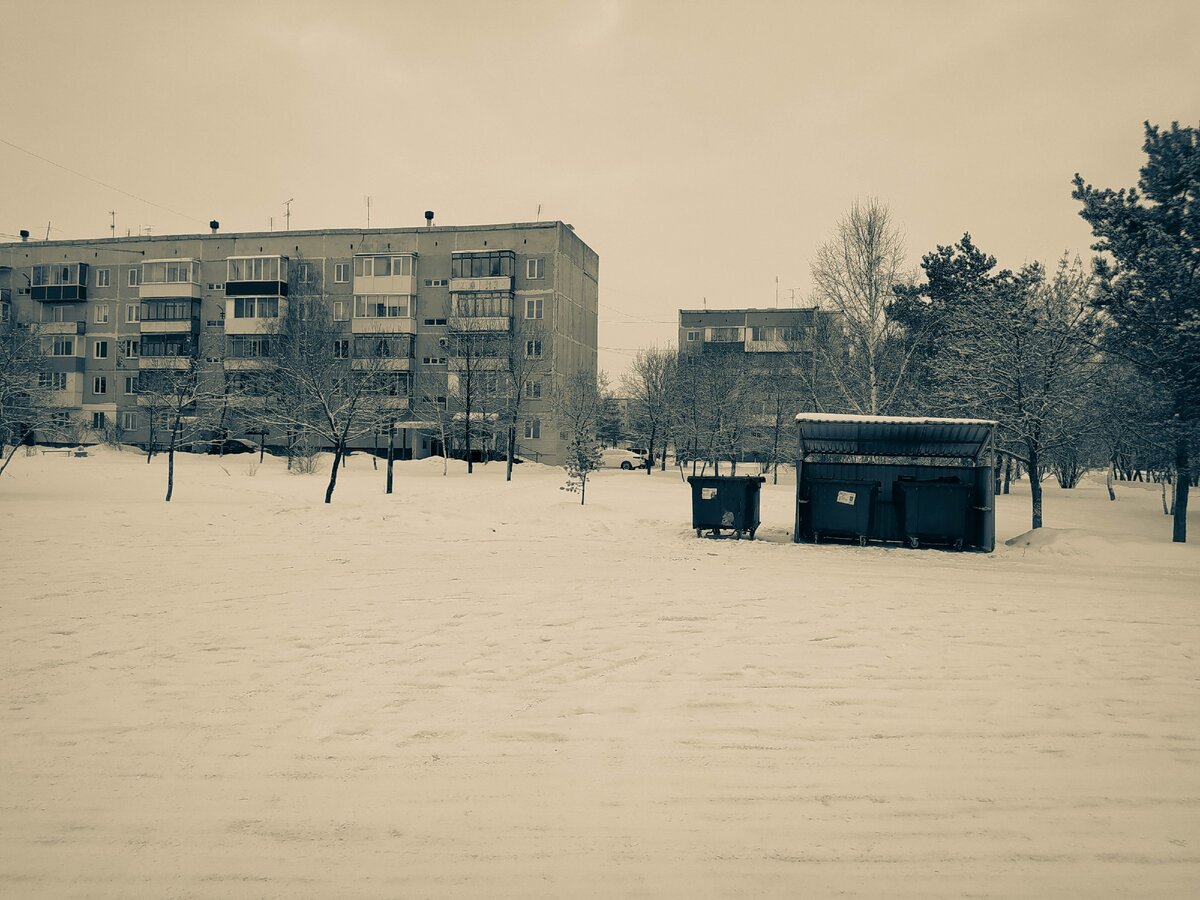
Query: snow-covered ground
point(480, 689)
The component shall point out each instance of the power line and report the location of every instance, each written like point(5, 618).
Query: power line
point(101, 183)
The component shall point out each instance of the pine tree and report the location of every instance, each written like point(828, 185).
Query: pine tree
point(1149, 280)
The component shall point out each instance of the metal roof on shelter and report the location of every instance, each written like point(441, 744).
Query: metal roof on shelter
point(898, 436)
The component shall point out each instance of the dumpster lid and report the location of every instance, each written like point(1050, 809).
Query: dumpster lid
point(906, 436)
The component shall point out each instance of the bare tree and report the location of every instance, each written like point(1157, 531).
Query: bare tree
point(526, 373)
point(864, 353)
point(324, 395)
point(647, 383)
point(177, 400)
point(27, 387)
point(477, 339)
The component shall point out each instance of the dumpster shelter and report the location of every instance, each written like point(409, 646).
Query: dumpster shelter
point(920, 481)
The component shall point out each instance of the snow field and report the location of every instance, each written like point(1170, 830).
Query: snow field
point(480, 689)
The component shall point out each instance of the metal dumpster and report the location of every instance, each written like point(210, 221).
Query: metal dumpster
point(729, 502)
point(934, 511)
point(841, 508)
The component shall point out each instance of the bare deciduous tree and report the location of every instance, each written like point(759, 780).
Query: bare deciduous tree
point(647, 383)
point(864, 353)
point(27, 401)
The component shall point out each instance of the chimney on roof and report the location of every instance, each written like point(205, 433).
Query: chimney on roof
point(214, 225)
point(24, 234)
point(429, 218)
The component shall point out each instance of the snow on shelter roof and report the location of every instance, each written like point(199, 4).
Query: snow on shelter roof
point(904, 436)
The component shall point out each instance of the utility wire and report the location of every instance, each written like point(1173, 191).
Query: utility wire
point(101, 183)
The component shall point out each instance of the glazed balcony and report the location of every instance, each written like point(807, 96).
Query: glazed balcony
point(170, 279)
point(59, 282)
point(390, 273)
point(62, 328)
point(256, 276)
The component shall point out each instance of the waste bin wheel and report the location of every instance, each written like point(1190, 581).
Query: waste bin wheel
point(862, 540)
point(816, 537)
point(914, 542)
point(958, 544)
point(752, 530)
point(697, 532)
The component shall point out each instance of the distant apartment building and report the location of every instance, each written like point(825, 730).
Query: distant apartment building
point(110, 310)
point(762, 335)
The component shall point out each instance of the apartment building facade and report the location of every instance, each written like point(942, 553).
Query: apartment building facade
point(113, 311)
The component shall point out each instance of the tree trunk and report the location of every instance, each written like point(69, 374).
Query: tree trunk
point(582, 488)
point(512, 447)
point(391, 453)
point(1183, 480)
point(12, 453)
point(375, 449)
point(1108, 483)
point(337, 458)
point(150, 441)
point(171, 461)
point(1008, 465)
point(1035, 485)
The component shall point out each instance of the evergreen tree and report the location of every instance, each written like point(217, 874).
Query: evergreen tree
point(1149, 280)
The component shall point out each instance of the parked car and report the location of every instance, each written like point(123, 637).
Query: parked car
point(622, 459)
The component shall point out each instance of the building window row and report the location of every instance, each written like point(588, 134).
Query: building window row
point(481, 303)
point(256, 308)
point(256, 268)
point(382, 306)
point(382, 266)
point(496, 264)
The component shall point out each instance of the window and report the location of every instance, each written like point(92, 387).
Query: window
point(101, 314)
point(129, 421)
point(727, 335)
point(382, 306)
point(130, 348)
point(169, 272)
point(482, 303)
point(256, 308)
point(382, 266)
point(433, 361)
point(436, 282)
point(435, 321)
point(249, 346)
point(167, 345)
point(341, 273)
point(533, 349)
point(58, 313)
point(166, 310)
point(693, 335)
point(304, 273)
point(535, 268)
point(533, 390)
point(498, 263)
point(63, 346)
point(100, 385)
point(133, 313)
point(103, 277)
point(135, 277)
point(256, 268)
point(533, 308)
point(341, 348)
point(55, 381)
point(5, 312)
point(100, 350)
point(131, 384)
point(99, 420)
point(340, 311)
point(533, 429)
point(390, 346)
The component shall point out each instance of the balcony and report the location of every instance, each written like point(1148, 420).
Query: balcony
point(479, 364)
point(256, 276)
point(165, 362)
point(171, 326)
point(477, 324)
point(59, 282)
point(383, 325)
point(62, 328)
point(5, 295)
point(775, 346)
point(385, 273)
point(168, 279)
point(492, 283)
point(249, 364)
point(400, 364)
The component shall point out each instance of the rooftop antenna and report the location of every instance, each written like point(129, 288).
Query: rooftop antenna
point(539, 212)
point(288, 206)
point(777, 292)
point(47, 230)
point(368, 210)
point(272, 221)
point(113, 226)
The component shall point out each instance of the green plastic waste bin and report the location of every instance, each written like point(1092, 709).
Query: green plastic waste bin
point(841, 509)
point(934, 512)
point(726, 502)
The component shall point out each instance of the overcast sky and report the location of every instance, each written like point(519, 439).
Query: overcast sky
point(703, 149)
